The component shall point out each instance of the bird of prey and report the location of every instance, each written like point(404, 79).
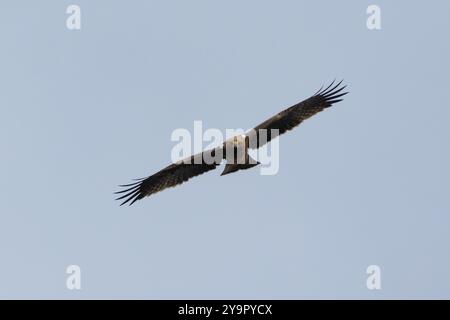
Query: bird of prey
point(234, 150)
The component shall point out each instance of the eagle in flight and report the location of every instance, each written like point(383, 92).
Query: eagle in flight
point(233, 150)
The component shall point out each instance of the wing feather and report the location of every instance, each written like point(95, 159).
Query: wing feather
point(291, 117)
point(168, 177)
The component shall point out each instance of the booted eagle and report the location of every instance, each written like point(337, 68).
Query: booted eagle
point(234, 150)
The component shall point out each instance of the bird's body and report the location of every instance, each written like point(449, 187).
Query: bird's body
point(236, 154)
point(234, 150)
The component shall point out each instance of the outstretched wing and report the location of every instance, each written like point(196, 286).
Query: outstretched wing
point(170, 176)
point(293, 116)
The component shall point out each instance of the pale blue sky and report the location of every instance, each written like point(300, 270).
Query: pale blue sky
point(366, 182)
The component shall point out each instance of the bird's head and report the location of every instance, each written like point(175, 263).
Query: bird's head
point(235, 142)
point(238, 140)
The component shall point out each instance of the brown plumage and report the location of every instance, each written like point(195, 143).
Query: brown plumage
point(195, 165)
point(291, 117)
point(170, 176)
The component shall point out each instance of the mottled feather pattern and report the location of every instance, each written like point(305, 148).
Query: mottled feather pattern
point(291, 117)
point(170, 176)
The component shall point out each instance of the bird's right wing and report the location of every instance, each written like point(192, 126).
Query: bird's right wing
point(172, 175)
point(293, 116)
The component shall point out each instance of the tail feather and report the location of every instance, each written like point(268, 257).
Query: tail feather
point(230, 168)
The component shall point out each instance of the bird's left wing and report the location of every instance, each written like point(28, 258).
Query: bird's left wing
point(293, 116)
point(172, 175)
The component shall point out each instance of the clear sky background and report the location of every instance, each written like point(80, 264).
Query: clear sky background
point(365, 182)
